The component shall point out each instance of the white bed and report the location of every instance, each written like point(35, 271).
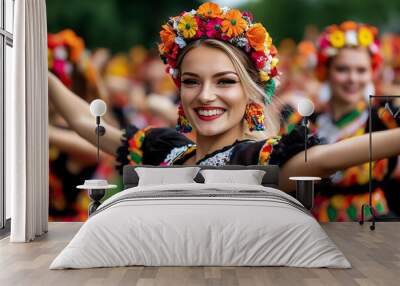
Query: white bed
point(201, 224)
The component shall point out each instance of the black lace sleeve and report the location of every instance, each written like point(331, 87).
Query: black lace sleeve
point(290, 144)
point(147, 146)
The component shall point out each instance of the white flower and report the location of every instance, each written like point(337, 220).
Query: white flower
point(267, 66)
point(225, 9)
point(193, 12)
point(173, 72)
point(351, 38)
point(239, 41)
point(175, 24)
point(180, 42)
point(330, 51)
point(60, 53)
point(373, 48)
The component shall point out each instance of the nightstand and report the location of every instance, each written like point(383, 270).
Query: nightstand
point(96, 191)
point(305, 190)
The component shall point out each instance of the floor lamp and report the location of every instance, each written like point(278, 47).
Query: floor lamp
point(369, 205)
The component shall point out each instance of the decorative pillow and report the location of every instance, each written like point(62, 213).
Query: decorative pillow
point(163, 176)
point(250, 177)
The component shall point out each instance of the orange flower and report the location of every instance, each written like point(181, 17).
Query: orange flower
point(210, 10)
point(75, 43)
point(167, 36)
point(257, 36)
point(331, 28)
point(348, 25)
point(233, 24)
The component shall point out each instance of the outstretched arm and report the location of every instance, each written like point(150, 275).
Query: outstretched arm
point(325, 160)
point(77, 113)
point(74, 145)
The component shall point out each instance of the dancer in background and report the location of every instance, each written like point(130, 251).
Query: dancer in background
point(72, 158)
point(349, 59)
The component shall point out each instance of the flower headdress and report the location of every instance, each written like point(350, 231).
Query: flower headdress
point(64, 50)
point(210, 21)
point(391, 50)
point(347, 34)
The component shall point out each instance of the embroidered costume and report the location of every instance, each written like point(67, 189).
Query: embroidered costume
point(166, 146)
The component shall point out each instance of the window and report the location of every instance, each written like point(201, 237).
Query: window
point(6, 44)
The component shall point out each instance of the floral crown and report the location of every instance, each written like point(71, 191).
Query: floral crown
point(64, 50)
point(210, 21)
point(347, 34)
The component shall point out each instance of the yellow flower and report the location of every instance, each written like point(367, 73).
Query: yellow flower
point(365, 36)
point(263, 75)
point(274, 62)
point(210, 10)
point(233, 24)
point(268, 41)
point(337, 39)
point(187, 26)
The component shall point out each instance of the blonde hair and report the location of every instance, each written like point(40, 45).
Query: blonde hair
point(250, 81)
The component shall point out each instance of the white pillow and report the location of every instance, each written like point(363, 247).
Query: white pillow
point(163, 176)
point(250, 177)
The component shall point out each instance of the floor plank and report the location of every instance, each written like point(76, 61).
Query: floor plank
point(374, 255)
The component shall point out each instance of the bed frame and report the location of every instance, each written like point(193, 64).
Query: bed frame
point(270, 179)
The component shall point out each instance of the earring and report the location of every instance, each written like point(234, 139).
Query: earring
point(183, 124)
point(254, 116)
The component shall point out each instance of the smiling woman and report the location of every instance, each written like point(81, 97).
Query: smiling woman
point(225, 68)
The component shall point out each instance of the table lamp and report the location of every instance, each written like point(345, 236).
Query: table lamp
point(98, 108)
point(305, 107)
point(97, 188)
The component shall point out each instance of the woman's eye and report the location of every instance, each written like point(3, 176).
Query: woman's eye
point(226, 81)
point(189, 81)
point(341, 69)
point(361, 70)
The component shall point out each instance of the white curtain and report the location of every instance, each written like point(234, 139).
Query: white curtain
point(26, 124)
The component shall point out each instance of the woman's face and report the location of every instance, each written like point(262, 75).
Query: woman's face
point(211, 92)
point(349, 73)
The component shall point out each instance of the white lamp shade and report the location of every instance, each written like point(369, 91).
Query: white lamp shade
point(305, 107)
point(98, 107)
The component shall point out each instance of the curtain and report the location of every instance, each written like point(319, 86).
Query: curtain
point(26, 124)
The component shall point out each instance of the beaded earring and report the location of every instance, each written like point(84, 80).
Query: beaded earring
point(183, 124)
point(254, 116)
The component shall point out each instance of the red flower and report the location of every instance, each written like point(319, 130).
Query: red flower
point(248, 15)
point(213, 28)
point(174, 52)
point(273, 72)
point(201, 27)
point(259, 58)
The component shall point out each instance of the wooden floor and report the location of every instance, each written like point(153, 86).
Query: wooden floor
point(374, 255)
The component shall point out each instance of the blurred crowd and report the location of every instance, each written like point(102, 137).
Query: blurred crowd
point(138, 91)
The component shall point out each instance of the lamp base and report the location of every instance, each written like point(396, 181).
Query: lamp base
point(371, 209)
point(95, 196)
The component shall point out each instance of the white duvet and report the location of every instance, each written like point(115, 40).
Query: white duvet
point(201, 224)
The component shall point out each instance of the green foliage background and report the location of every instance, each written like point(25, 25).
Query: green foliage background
point(120, 24)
